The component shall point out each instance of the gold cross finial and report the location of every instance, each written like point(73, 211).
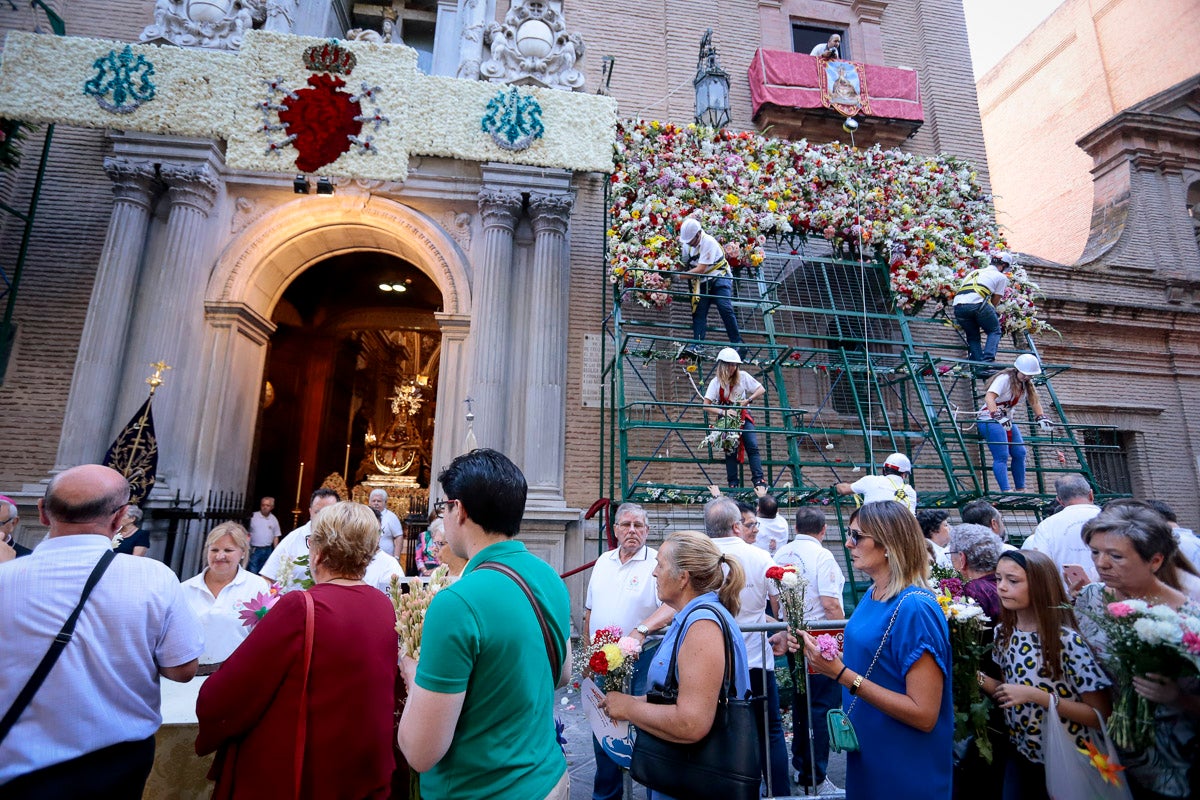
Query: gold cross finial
point(156, 380)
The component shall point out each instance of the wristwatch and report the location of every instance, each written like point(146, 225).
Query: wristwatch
point(643, 630)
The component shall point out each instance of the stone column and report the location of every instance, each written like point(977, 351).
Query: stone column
point(170, 325)
point(450, 417)
point(545, 398)
point(89, 414)
point(490, 328)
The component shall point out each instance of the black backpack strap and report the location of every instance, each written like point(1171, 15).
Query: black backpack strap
point(57, 646)
point(552, 655)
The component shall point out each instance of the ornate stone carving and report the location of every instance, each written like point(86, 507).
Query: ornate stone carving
point(245, 211)
point(550, 212)
point(363, 35)
point(281, 16)
point(499, 207)
point(458, 225)
point(194, 185)
point(533, 46)
point(216, 24)
point(133, 181)
point(472, 16)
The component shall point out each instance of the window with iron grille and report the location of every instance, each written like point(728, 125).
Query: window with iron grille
point(1107, 454)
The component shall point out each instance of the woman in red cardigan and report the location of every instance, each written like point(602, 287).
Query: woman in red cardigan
point(338, 744)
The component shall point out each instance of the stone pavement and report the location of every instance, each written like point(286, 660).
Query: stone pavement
point(580, 760)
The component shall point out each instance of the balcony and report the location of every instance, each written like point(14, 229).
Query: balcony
point(799, 96)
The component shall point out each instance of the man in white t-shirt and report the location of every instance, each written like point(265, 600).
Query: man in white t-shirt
point(723, 524)
point(704, 261)
point(975, 301)
point(264, 534)
point(1060, 535)
point(890, 484)
point(772, 530)
point(1189, 543)
point(830, 49)
point(822, 601)
point(390, 529)
point(295, 545)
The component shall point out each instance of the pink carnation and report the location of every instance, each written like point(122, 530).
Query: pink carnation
point(1191, 641)
point(1119, 609)
point(828, 646)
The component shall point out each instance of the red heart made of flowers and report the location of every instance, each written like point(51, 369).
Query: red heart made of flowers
point(322, 119)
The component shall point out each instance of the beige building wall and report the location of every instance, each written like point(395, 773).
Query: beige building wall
point(1088, 61)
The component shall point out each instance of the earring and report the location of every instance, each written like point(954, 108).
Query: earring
point(886, 554)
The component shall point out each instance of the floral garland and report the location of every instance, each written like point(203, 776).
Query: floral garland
point(928, 214)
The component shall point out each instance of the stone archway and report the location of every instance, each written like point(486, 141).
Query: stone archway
point(252, 274)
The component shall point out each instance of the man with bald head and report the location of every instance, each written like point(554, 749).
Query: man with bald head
point(89, 727)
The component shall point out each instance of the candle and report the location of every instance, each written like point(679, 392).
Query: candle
point(346, 468)
point(299, 483)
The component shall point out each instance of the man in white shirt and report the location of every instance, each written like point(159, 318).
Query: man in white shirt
point(830, 49)
point(1189, 543)
point(723, 523)
point(890, 484)
point(264, 534)
point(295, 545)
point(772, 530)
point(822, 601)
point(621, 592)
point(390, 529)
point(1060, 535)
point(89, 729)
point(975, 301)
point(712, 281)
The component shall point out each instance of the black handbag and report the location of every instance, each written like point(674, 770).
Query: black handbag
point(724, 765)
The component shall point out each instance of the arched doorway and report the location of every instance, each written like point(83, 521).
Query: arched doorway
point(351, 378)
point(293, 276)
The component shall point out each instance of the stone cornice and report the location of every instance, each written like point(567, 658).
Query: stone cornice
point(253, 325)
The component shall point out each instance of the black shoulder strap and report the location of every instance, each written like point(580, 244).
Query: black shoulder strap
point(57, 646)
point(556, 660)
point(729, 687)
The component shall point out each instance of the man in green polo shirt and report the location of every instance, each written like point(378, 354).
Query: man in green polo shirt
point(479, 721)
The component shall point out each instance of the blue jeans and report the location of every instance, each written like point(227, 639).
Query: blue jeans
point(772, 739)
point(997, 441)
point(720, 291)
point(823, 693)
point(750, 439)
point(975, 318)
point(609, 781)
point(258, 557)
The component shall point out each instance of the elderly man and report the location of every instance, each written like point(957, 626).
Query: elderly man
point(390, 529)
point(723, 524)
point(479, 720)
point(712, 281)
point(295, 545)
point(822, 601)
point(9, 521)
point(88, 726)
point(830, 49)
point(981, 512)
point(622, 593)
point(1060, 535)
point(264, 534)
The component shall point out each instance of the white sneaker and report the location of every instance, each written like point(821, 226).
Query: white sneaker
point(826, 788)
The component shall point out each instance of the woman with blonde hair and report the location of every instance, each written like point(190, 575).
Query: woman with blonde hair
point(896, 672)
point(695, 577)
point(218, 594)
point(733, 390)
point(304, 707)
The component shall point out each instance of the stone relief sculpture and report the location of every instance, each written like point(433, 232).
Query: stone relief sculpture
point(531, 46)
point(215, 24)
point(472, 15)
point(281, 16)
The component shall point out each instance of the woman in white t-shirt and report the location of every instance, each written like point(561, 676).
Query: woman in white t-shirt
point(733, 390)
point(995, 423)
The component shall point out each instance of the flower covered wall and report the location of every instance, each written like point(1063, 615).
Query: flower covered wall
point(927, 215)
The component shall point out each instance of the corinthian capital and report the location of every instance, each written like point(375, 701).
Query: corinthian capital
point(194, 185)
point(133, 181)
point(499, 208)
point(550, 212)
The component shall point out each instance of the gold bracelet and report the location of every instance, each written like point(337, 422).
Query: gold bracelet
point(855, 686)
point(979, 678)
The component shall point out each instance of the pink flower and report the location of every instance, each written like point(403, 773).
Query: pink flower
point(828, 646)
point(1119, 609)
point(629, 646)
point(257, 608)
point(1191, 640)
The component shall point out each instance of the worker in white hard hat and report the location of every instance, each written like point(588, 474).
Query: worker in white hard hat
point(733, 390)
point(975, 299)
point(892, 483)
point(995, 423)
point(704, 261)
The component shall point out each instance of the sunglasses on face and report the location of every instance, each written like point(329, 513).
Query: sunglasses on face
point(855, 535)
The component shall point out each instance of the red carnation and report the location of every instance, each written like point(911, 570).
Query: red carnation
point(598, 663)
point(775, 573)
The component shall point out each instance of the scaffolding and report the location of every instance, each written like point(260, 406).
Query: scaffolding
point(850, 378)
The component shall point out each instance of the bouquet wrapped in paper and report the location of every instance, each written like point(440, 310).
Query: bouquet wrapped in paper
point(411, 607)
point(610, 658)
point(792, 586)
point(969, 642)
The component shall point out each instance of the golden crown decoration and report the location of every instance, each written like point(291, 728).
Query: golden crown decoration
point(329, 57)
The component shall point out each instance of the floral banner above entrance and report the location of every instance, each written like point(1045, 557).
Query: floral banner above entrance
point(296, 104)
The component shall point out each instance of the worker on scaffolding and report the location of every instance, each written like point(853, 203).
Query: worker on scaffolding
point(995, 419)
point(890, 484)
point(975, 301)
point(704, 259)
point(733, 390)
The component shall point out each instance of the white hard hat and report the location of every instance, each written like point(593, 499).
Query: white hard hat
point(689, 229)
point(1027, 364)
point(729, 356)
point(899, 461)
point(1004, 257)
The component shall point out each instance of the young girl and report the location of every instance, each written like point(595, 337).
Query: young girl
point(1040, 651)
point(734, 388)
point(995, 423)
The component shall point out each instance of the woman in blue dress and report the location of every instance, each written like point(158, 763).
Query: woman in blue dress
point(691, 572)
point(896, 673)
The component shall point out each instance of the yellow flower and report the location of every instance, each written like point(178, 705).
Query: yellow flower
point(1107, 769)
point(752, 166)
point(732, 199)
point(929, 245)
point(613, 654)
point(691, 368)
point(756, 258)
point(772, 206)
point(635, 214)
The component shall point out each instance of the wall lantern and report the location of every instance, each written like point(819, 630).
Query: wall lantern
point(712, 86)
